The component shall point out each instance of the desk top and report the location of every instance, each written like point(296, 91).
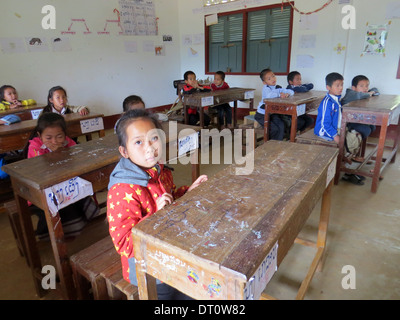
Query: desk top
point(233, 221)
point(381, 103)
point(55, 167)
point(29, 125)
point(298, 98)
point(230, 94)
point(21, 109)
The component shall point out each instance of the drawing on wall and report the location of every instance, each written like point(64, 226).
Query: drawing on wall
point(339, 48)
point(12, 45)
point(77, 22)
point(375, 39)
point(138, 17)
point(159, 50)
point(167, 38)
point(117, 21)
point(36, 44)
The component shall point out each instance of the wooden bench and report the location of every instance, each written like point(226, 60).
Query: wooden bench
point(100, 265)
point(309, 137)
point(12, 211)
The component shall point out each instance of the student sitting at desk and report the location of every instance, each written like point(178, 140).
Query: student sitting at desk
point(57, 102)
point(224, 110)
point(294, 83)
point(49, 136)
point(9, 97)
point(192, 86)
point(271, 90)
point(139, 186)
point(359, 90)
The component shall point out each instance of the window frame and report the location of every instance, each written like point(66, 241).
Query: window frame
point(244, 39)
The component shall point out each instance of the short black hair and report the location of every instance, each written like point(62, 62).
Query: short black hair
point(221, 74)
point(291, 75)
point(357, 79)
point(2, 89)
point(187, 73)
point(131, 100)
point(264, 72)
point(332, 77)
point(131, 116)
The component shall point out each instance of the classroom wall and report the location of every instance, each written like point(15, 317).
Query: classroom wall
point(329, 33)
point(99, 73)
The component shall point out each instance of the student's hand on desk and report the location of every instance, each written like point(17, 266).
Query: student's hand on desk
point(163, 200)
point(15, 104)
point(284, 95)
point(199, 181)
point(84, 111)
point(53, 147)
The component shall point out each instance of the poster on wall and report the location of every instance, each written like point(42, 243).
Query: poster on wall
point(138, 17)
point(375, 39)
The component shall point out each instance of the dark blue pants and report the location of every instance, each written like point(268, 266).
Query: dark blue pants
point(276, 125)
point(224, 113)
point(364, 129)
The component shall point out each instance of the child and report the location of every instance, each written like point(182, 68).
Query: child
point(49, 136)
point(294, 83)
point(139, 186)
point(57, 102)
point(133, 102)
point(360, 90)
point(224, 110)
point(9, 96)
point(329, 116)
point(192, 86)
point(270, 91)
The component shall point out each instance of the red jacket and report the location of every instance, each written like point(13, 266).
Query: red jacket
point(188, 89)
point(128, 204)
point(224, 86)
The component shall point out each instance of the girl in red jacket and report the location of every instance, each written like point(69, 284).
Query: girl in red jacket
point(224, 110)
point(139, 186)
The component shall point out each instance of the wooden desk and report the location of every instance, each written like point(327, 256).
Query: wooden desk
point(214, 98)
point(291, 106)
point(15, 136)
point(24, 112)
point(382, 110)
point(93, 161)
point(219, 241)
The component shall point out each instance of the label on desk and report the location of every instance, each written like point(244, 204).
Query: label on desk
point(331, 172)
point(249, 95)
point(188, 143)
point(65, 193)
point(91, 125)
point(301, 109)
point(263, 275)
point(36, 113)
point(207, 101)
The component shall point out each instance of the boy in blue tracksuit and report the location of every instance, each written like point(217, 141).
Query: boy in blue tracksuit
point(327, 125)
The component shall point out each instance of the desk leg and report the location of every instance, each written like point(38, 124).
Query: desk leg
point(341, 150)
point(235, 114)
point(60, 253)
point(379, 155)
point(185, 109)
point(201, 117)
point(195, 161)
point(102, 133)
point(266, 125)
point(32, 254)
point(293, 128)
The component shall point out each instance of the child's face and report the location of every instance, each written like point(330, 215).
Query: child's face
point(270, 79)
point(362, 86)
point(59, 99)
point(10, 95)
point(218, 81)
point(138, 105)
point(336, 88)
point(191, 80)
point(53, 137)
point(296, 80)
point(143, 145)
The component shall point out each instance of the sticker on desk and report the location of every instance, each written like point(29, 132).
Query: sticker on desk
point(207, 101)
point(65, 193)
point(249, 95)
point(36, 113)
point(331, 172)
point(91, 125)
point(301, 109)
point(188, 143)
point(263, 275)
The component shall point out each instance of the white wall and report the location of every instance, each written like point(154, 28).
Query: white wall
point(329, 33)
point(100, 74)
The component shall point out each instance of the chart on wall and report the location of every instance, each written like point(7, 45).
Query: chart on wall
point(138, 17)
point(375, 39)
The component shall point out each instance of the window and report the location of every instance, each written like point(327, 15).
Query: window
point(247, 41)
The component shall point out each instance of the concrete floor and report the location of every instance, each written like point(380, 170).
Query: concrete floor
point(363, 233)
